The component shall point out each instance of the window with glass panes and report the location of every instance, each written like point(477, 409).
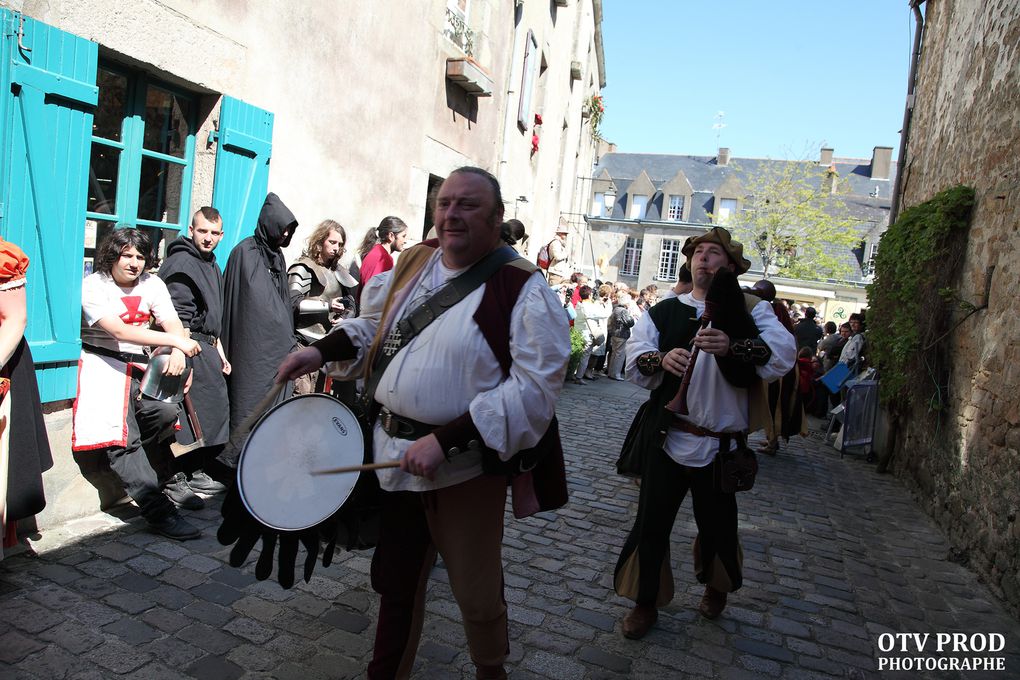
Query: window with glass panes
point(142, 159)
point(669, 260)
point(871, 260)
point(676, 208)
point(727, 209)
point(631, 257)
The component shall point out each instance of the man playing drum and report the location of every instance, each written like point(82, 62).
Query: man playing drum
point(457, 394)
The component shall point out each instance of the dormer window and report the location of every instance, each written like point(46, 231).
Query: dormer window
point(727, 209)
point(676, 208)
point(638, 207)
point(599, 206)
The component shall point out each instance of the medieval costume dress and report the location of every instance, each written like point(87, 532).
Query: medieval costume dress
point(196, 287)
point(258, 326)
point(24, 446)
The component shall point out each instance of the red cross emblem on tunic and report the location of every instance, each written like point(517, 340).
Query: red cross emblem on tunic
point(133, 316)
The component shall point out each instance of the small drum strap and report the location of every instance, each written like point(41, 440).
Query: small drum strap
point(415, 321)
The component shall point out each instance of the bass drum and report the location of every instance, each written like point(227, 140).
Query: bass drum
point(293, 439)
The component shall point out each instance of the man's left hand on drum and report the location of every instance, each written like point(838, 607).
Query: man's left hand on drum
point(423, 458)
point(302, 362)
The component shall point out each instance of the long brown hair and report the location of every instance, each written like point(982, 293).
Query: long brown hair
point(389, 225)
point(313, 245)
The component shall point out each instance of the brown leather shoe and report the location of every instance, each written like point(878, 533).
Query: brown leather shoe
point(712, 603)
point(639, 621)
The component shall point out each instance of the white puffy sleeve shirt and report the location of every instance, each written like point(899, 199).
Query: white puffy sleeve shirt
point(448, 370)
point(714, 403)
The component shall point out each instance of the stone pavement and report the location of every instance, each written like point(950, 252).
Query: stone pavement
point(835, 556)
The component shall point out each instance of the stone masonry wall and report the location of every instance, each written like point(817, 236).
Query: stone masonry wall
point(966, 130)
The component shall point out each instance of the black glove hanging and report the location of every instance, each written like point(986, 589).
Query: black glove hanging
point(243, 531)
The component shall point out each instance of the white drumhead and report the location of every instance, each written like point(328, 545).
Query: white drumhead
point(308, 432)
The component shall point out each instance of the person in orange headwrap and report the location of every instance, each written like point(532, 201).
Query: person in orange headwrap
point(24, 447)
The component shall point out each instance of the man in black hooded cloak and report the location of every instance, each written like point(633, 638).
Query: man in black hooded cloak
point(258, 324)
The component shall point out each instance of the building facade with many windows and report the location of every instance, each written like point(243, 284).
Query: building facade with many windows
point(644, 206)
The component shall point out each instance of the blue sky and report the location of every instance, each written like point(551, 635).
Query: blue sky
point(788, 76)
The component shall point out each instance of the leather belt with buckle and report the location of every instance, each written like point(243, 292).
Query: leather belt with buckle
point(204, 337)
point(691, 428)
point(401, 427)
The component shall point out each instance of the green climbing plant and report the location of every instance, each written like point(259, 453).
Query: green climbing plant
point(576, 349)
point(912, 300)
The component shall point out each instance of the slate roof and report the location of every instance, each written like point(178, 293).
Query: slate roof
point(706, 176)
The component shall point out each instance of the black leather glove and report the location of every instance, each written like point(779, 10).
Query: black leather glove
point(240, 529)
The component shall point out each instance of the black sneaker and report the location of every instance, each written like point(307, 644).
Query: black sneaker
point(176, 527)
point(203, 483)
point(180, 493)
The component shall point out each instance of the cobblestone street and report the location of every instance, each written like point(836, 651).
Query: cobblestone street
point(835, 555)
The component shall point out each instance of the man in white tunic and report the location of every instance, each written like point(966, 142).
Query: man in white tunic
point(467, 392)
point(678, 453)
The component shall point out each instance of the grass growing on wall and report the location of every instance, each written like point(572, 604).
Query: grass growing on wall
point(909, 302)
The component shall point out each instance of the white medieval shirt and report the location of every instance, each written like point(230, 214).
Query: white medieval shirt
point(714, 403)
point(104, 383)
point(448, 370)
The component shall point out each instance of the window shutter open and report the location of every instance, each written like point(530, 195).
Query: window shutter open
point(241, 179)
point(47, 99)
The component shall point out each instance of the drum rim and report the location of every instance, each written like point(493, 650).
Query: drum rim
point(244, 449)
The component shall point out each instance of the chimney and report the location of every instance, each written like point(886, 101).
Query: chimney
point(825, 156)
point(723, 159)
point(881, 162)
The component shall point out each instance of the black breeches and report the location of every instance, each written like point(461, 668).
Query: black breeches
point(663, 487)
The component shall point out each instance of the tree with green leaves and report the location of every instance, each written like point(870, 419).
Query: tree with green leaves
point(795, 218)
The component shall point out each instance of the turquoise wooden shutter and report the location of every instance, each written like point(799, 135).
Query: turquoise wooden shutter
point(47, 98)
point(242, 170)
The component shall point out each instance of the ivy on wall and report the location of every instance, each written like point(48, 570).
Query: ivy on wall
point(910, 301)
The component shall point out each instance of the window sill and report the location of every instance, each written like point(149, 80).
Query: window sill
point(469, 76)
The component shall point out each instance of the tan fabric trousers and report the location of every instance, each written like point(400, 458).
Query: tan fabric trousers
point(464, 524)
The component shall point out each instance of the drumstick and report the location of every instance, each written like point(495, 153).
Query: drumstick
point(357, 468)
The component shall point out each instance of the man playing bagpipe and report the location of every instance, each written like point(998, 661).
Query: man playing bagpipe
point(691, 434)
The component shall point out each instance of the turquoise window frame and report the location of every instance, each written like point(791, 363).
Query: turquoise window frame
point(132, 153)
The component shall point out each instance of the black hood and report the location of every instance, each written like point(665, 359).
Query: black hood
point(274, 219)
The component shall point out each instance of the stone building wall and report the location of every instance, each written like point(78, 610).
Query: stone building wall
point(966, 130)
point(364, 114)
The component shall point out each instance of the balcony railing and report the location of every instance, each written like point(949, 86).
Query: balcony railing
point(458, 32)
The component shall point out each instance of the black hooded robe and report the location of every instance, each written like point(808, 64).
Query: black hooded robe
point(258, 324)
point(196, 288)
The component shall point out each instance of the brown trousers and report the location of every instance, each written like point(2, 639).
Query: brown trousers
point(464, 524)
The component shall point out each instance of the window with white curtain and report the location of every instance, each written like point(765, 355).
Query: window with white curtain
point(638, 207)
